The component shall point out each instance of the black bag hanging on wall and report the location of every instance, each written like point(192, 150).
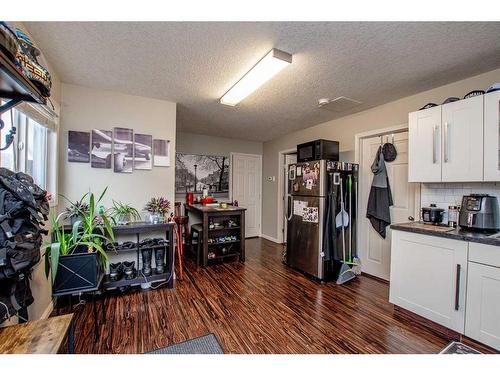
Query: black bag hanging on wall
point(23, 210)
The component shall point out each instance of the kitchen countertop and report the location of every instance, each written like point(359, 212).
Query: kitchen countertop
point(454, 234)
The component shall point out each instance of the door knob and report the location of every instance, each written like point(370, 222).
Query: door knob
point(411, 218)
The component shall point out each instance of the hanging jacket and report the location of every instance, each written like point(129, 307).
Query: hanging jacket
point(380, 198)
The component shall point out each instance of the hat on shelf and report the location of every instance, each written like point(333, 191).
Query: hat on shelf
point(451, 99)
point(473, 93)
point(428, 105)
point(493, 87)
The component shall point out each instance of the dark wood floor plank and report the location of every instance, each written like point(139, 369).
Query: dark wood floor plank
point(260, 306)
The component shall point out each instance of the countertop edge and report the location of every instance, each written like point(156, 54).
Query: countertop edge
point(469, 236)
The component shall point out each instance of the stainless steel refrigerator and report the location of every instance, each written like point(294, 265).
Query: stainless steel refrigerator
point(314, 244)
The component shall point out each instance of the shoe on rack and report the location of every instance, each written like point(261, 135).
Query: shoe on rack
point(129, 270)
point(159, 259)
point(147, 254)
point(115, 271)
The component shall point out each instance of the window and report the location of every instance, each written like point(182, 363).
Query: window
point(34, 149)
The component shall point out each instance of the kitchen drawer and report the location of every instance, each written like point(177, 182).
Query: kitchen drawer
point(484, 254)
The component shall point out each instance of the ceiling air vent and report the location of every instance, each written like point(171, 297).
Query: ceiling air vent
point(340, 104)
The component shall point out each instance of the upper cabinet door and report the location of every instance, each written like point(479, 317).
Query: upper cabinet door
point(424, 155)
point(462, 140)
point(492, 136)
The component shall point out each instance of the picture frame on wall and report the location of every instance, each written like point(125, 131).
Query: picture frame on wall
point(143, 151)
point(101, 154)
point(123, 150)
point(161, 153)
point(78, 147)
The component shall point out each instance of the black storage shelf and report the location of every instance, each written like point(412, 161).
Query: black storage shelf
point(13, 85)
point(223, 256)
point(223, 243)
point(140, 248)
point(138, 280)
point(223, 228)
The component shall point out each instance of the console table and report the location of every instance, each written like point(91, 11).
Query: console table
point(217, 214)
point(45, 336)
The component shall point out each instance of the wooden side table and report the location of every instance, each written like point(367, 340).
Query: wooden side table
point(44, 336)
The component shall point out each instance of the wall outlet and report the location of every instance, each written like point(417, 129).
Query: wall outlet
point(271, 178)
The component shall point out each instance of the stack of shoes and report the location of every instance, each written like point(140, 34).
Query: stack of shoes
point(122, 269)
point(128, 245)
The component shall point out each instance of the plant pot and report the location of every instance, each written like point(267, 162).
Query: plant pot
point(155, 218)
point(74, 218)
point(77, 272)
point(123, 219)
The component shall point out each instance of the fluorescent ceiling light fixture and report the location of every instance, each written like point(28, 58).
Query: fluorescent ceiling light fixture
point(263, 71)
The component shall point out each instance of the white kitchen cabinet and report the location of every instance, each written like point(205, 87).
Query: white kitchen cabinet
point(424, 147)
point(492, 136)
point(462, 140)
point(428, 277)
point(483, 304)
point(446, 142)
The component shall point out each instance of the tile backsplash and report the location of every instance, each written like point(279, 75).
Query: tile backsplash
point(450, 193)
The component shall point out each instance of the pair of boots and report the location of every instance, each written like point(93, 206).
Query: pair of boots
point(147, 254)
point(117, 270)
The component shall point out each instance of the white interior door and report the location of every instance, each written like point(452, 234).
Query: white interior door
point(246, 189)
point(375, 251)
point(287, 160)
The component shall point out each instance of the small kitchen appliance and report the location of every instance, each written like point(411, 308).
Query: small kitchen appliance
point(320, 149)
point(432, 214)
point(479, 212)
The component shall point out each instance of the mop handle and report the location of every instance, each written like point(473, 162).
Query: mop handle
point(342, 218)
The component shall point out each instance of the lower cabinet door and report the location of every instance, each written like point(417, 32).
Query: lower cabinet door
point(428, 277)
point(483, 304)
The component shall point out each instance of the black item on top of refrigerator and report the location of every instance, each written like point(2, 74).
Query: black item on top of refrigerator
point(314, 243)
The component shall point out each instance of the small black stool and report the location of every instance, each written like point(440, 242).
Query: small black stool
point(195, 247)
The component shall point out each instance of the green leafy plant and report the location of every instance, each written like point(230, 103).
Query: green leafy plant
point(159, 205)
point(124, 213)
point(92, 231)
point(75, 208)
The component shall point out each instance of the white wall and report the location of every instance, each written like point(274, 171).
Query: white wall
point(344, 130)
point(190, 143)
point(85, 109)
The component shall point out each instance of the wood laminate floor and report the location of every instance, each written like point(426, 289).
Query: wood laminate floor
point(261, 306)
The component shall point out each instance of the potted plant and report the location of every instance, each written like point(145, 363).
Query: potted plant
point(76, 258)
point(158, 208)
point(124, 213)
point(74, 210)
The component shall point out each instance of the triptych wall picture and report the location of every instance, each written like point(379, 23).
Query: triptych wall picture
point(118, 149)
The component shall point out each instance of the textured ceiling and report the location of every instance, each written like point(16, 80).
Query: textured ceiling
point(194, 64)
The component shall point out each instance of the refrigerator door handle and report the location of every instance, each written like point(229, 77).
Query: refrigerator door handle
point(290, 211)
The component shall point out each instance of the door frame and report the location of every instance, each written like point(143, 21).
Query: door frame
point(281, 186)
point(259, 202)
point(358, 138)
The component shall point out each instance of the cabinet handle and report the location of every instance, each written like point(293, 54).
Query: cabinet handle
point(434, 158)
point(446, 142)
point(457, 288)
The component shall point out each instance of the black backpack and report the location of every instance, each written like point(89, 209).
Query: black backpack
point(23, 210)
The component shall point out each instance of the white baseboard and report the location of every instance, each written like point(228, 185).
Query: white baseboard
point(46, 313)
point(275, 240)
